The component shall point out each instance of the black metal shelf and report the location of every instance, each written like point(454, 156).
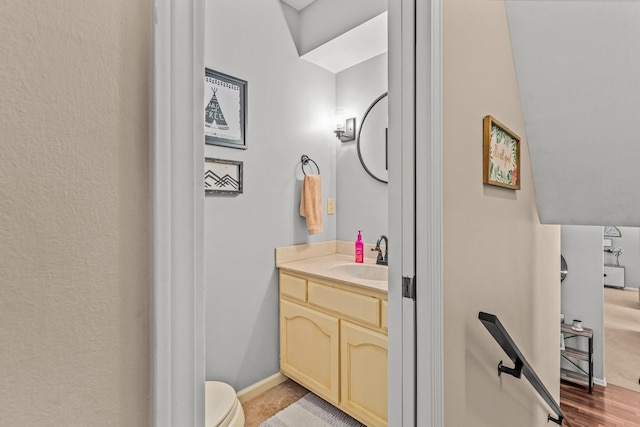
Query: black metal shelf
point(574, 377)
point(581, 376)
point(575, 353)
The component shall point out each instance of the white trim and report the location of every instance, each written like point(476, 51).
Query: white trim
point(601, 382)
point(402, 379)
point(253, 390)
point(429, 225)
point(408, 205)
point(177, 199)
point(160, 216)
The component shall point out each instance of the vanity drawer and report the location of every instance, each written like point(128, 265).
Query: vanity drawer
point(293, 287)
point(384, 313)
point(361, 307)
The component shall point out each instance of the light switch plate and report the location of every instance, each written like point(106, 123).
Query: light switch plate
point(331, 206)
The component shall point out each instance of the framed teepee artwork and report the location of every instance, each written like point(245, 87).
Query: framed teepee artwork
point(501, 155)
point(225, 105)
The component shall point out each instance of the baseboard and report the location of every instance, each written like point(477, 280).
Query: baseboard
point(600, 382)
point(253, 390)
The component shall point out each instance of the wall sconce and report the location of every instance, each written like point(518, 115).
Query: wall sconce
point(345, 130)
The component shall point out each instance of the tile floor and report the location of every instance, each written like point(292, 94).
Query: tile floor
point(267, 404)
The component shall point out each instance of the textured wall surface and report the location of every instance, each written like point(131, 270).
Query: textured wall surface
point(74, 217)
point(498, 258)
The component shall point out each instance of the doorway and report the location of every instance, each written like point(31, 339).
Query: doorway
point(178, 284)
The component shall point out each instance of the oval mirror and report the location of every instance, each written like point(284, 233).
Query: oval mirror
point(563, 268)
point(372, 139)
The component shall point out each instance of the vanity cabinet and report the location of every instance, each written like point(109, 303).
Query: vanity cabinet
point(363, 363)
point(333, 341)
point(309, 343)
point(574, 355)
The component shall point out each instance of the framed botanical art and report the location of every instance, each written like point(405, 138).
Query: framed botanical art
point(501, 155)
point(225, 105)
point(222, 177)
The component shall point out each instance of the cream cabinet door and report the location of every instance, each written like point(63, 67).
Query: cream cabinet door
point(363, 355)
point(309, 352)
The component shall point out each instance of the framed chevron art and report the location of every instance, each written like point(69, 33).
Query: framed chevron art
point(222, 177)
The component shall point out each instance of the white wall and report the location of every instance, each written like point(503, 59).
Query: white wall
point(630, 258)
point(498, 258)
point(324, 20)
point(362, 202)
point(583, 288)
point(289, 107)
point(74, 213)
point(578, 85)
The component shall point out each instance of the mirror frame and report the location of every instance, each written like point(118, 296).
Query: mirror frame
point(611, 231)
point(364, 118)
point(563, 269)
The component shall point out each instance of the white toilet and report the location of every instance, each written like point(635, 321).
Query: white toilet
point(222, 407)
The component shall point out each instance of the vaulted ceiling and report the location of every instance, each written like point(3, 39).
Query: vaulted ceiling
point(298, 4)
point(337, 34)
point(578, 70)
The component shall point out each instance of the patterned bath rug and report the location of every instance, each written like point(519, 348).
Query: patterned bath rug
point(311, 411)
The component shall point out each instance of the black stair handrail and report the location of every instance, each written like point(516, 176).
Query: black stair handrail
point(499, 333)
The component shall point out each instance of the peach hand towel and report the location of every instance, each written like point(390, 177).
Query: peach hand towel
point(311, 203)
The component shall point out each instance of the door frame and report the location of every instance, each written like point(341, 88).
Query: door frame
point(177, 220)
point(177, 214)
point(402, 311)
point(429, 216)
point(416, 393)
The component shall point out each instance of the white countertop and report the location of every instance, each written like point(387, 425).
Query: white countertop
point(323, 268)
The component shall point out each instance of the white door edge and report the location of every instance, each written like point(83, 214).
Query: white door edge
point(429, 206)
point(402, 351)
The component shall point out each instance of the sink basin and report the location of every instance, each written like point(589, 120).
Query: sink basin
point(363, 271)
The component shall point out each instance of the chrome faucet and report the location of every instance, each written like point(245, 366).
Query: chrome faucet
point(382, 260)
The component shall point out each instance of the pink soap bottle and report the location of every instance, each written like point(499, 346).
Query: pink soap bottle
point(359, 249)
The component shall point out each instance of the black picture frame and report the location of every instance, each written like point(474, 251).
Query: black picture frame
point(222, 177)
point(225, 110)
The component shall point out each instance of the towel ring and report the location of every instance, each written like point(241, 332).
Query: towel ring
point(305, 161)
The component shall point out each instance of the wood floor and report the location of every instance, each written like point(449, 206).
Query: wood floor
point(622, 338)
point(268, 403)
point(610, 406)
